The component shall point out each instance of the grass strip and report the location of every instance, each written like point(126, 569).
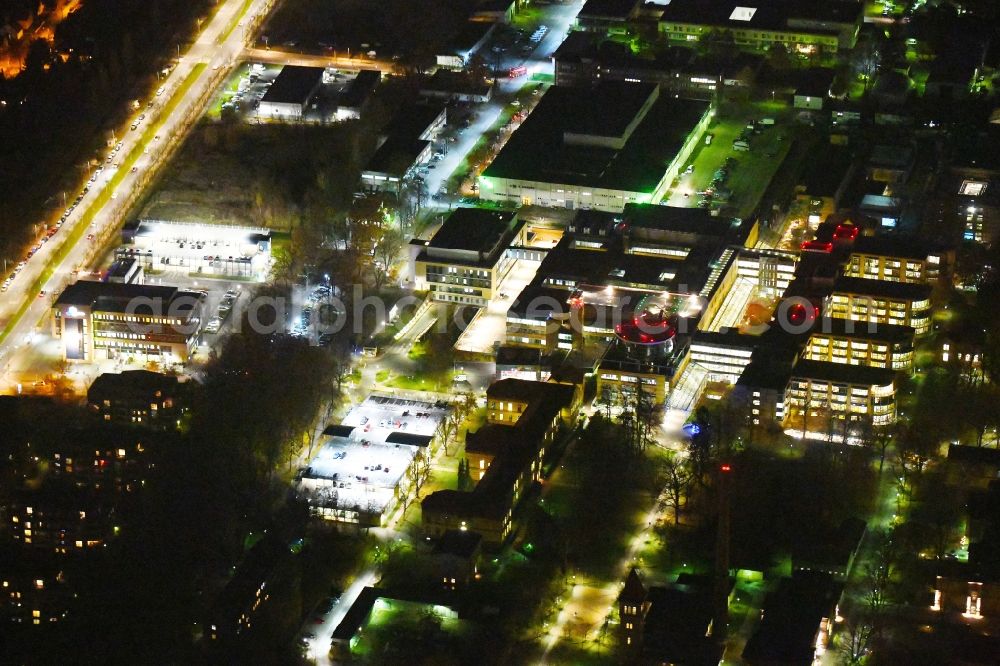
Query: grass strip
point(98, 203)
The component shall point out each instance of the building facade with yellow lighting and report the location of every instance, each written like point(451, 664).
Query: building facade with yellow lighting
point(819, 390)
point(894, 260)
point(468, 257)
point(873, 345)
point(881, 302)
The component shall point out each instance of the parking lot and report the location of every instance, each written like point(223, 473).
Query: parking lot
point(240, 95)
point(747, 172)
point(359, 465)
point(224, 299)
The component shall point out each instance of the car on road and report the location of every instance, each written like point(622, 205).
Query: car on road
point(159, 91)
point(213, 325)
point(133, 126)
point(41, 294)
point(90, 237)
point(134, 169)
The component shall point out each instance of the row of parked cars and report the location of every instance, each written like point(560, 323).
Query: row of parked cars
point(109, 161)
point(224, 310)
point(320, 615)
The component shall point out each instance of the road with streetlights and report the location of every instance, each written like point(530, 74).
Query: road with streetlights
point(142, 146)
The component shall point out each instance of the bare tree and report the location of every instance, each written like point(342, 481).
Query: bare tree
point(877, 578)
point(386, 249)
point(856, 641)
point(677, 480)
point(448, 430)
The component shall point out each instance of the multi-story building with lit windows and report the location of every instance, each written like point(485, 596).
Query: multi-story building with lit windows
point(977, 204)
point(105, 320)
point(802, 26)
point(61, 518)
point(669, 624)
point(820, 390)
point(35, 592)
point(137, 397)
point(881, 302)
point(723, 356)
point(265, 569)
point(468, 257)
point(585, 58)
point(861, 343)
point(893, 259)
point(505, 458)
point(769, 271)
point(606, 264)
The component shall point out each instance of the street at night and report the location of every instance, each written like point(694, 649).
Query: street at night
point(500, 332)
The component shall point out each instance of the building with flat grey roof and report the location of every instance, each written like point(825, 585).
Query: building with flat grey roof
point(598, 148)
point(405, 146)
point(355, 97)
point(289, 94)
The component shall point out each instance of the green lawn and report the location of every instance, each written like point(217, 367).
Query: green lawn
point(239, 17)
point(750, 178)
point(417, 382)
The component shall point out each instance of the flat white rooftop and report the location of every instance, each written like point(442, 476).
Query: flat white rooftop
point(357, 468)
point(196, 232)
